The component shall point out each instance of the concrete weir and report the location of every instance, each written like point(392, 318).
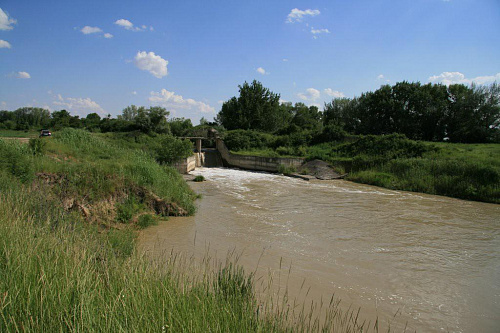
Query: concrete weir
point(222, 157)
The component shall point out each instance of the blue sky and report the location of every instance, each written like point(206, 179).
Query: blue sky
point(189, 56)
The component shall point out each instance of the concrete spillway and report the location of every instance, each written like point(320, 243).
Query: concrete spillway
point(212, 159)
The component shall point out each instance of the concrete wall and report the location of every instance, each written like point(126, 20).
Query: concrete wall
point(188, 164)
point(255, 163)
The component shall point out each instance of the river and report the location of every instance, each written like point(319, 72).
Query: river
point(434, 261)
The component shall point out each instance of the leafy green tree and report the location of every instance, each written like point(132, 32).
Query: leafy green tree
point(307, 118)
point(430, 112)
point(473, 113)
point(142, 120)
point(129, 113)
point(180, 126)
point(158, 119)
point(60, 119)
point(171, 149)
point(30, 117)
point(256, 108)
point(92, 121)
point(152, 120)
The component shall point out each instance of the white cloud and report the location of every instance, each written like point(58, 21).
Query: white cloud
point(448, 78)
point(5, 21)
point(126, 24)
point(262, 71)
point(285, 59)
point(22, 75)
point(108, 35)
point(173, 102)
point(311, 94)
point(382, 77)
point(86, 30)
point(4, 44)
point(79, 106)
point(152, 63)
point(134, 92)
point(319, 31)
point(296, 15)
point(334, 93)
point(220, 102)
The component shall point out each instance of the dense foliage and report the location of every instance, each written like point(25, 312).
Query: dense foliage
point(256, 108)
point(170, 149)
point(153, 120)
point(430, 112)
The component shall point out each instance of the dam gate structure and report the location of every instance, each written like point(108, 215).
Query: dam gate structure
point(220, 156)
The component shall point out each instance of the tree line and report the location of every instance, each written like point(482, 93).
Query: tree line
point(430, 112)
point(133, 118)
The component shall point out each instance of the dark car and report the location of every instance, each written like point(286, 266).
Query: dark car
point(45, 133)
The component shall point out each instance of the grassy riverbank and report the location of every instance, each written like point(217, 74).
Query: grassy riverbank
point(466, 171)
point(67, 259)
point(59, 274)
point(70, 207)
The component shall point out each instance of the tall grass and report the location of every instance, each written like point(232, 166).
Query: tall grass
point(66, 276)
point(466, 171)
point(97, 168)
point(58, 273)
point(56, 280)
point(471, 179)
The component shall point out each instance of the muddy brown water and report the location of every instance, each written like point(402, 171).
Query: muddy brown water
point(432, 262)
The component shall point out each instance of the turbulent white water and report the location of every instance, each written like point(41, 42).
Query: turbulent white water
point(434, 259)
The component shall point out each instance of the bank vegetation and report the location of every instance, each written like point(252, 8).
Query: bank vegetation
point(70, 208)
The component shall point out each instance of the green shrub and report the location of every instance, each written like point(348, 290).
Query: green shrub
point(248, 139)
point(387, 146)
point(171, 149)
point(302, 138)
point(15, 160)
point(332, 133)
point(199, 178)
point(286, 169)
point(146, 220)
point(126, 210)
point(285, 151)
point(38, 146)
